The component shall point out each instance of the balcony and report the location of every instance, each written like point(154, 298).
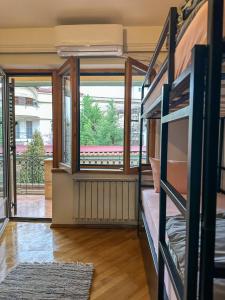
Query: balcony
point(34, 186)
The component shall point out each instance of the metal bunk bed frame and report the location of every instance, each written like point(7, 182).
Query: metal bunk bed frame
point(190, 208)
point(169, 30)
point(204, 102)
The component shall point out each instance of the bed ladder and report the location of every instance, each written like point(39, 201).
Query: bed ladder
point(190, 209)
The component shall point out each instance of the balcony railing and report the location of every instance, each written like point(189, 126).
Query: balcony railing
point(30, 170)
point(30, 177)
point(24, 137)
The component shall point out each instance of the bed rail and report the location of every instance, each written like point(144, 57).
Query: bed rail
point(169, 30)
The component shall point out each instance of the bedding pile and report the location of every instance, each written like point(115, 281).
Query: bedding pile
point(186, 10)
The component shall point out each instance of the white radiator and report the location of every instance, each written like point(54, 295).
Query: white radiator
point(105, 201)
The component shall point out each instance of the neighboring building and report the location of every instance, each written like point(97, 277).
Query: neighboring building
point(33, 111)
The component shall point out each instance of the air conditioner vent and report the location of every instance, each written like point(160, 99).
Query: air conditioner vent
point(89, 40)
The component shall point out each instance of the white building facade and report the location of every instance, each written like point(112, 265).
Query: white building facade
point(33, 112)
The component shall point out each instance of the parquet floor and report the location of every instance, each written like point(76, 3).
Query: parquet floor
point(119, 270)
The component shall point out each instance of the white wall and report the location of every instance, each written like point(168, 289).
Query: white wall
point(104, 199)
point(177, 142)
point(63, 199)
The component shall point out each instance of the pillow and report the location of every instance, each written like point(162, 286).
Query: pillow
point(176, 174)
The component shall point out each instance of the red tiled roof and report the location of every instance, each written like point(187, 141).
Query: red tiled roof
point(83, 149)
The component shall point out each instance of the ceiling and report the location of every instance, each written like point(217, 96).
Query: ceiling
point(48, 13)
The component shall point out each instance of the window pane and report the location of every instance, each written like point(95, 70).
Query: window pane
point(101, 120)
point(137, 80)
point(29, 129)
point(66, 120)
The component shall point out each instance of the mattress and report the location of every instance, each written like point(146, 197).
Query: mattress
point(150, 201)
point(195, 34)
point(176, 233)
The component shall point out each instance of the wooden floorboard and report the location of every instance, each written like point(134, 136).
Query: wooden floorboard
point(119, 270)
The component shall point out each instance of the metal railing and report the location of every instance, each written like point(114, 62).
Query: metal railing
point(30, 174)
point(24, 137)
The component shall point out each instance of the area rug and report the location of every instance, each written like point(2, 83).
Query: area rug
point(40, 281)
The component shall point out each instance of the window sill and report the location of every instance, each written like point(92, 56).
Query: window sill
point(90, 170)
point(59, 170)
point(101, 170)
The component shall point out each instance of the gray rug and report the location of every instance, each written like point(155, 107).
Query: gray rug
point(65, 281)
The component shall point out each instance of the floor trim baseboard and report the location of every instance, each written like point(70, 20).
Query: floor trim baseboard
point(95, 226)
point(24, 219)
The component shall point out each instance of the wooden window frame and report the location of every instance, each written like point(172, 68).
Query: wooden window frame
point(129, 65)
point(70, 67)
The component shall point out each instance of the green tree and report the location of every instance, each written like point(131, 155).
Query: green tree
point(110, 133)
point(98, 127)
point(32, 162)
point(90, 121)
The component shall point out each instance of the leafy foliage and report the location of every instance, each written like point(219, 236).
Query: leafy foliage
point(32, 162)
point(98, 127)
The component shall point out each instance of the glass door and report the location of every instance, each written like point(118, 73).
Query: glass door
point(3, 157)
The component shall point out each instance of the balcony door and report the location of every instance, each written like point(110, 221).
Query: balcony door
point(3, 155)
point(30, 145)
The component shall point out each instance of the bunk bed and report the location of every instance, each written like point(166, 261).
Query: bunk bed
point(193, 32)
point(188, 85)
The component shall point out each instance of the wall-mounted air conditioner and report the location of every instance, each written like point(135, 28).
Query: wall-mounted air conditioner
point(89, 40)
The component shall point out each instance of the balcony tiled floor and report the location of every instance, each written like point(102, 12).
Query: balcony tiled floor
point(33, 206)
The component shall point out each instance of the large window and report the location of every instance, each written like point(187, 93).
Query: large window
point(102, 120)
point(99, 113)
